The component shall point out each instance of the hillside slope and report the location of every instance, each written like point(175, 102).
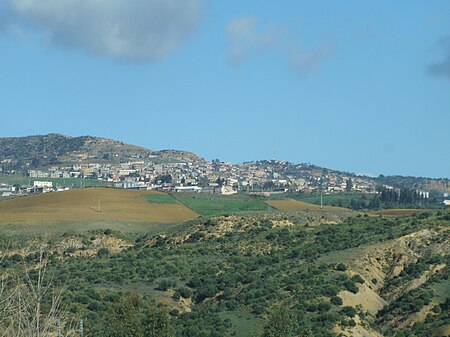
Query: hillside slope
point(56, 148)
point(262, 274)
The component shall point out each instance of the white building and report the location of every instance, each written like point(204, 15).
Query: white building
point(42, 184)
point(194, 189)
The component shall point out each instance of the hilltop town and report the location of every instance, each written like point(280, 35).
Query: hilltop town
point(57, 162)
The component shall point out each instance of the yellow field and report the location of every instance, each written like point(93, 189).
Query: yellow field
point(397, 212)
point(83, 205)
point(295, 205)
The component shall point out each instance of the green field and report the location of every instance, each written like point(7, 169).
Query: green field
point(339, 200)
point(210, 205)
point(160, 198)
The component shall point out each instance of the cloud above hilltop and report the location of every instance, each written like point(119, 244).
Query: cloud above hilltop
point(441, 67)
point(247, 38)
point(125, 30)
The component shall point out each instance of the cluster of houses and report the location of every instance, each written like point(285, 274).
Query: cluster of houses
point(262, 177)
point(214, 177)
point(37, 186)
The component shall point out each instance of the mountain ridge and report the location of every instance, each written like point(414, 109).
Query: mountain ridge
point(56, 148)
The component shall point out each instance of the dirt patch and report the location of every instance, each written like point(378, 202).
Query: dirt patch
point(366, 298)
point(360, 330)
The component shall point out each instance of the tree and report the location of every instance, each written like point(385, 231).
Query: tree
point(156, 324)
point(220, 181)
point(35, 163)
point(30, 306)
point(349, 185)
point(280, 323)
point(131, 317)
point(123, 319)
point(269, 185)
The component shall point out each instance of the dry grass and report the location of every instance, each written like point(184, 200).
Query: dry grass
point(295, 205)
point(82, 206)
point(397, 212)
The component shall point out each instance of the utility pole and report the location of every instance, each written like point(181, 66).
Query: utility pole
point(59, 328)
point(98, 205)
point(81, 328)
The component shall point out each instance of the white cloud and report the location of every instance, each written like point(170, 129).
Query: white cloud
point(247, 38)
point(130, 30)
point(244, 39)
point(442, 66)
point(307, 62)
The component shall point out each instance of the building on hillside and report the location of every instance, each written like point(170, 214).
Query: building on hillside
point(43, 184)
point(192, 189)
point(38, 174)
point(227, 190)
point(42, 187)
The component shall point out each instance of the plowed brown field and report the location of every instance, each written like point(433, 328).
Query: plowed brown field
point(91, 204)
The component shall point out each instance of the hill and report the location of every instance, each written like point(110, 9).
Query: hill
point(259, 274)
point(92, 205)
point(43, 150)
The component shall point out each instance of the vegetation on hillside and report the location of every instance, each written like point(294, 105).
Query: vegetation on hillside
point(228, 275)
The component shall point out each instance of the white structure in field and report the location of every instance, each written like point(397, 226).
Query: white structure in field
point(42, 184)
point(194, 189)
point(227, 190)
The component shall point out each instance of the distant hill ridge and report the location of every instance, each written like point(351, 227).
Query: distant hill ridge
point(58, 148)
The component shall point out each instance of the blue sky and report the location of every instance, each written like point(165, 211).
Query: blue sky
point(361, 86)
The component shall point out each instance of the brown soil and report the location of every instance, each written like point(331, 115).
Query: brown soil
point(91, 204)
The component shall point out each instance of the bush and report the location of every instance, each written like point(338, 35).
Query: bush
point(165, 284)
point(102, 252)
point(324, 307)
point(351, 286)
point(336, 300)
point(348, 311)
point(341, 267)
point(185, 292)
point(358, 279)
point(311, 307)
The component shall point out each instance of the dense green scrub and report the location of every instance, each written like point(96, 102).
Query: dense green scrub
point(255, 274)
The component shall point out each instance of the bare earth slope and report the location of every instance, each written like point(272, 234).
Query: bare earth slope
point(381, 262)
